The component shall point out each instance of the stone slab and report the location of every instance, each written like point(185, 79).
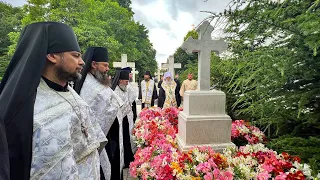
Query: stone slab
point(204, 102)
point(216, 147)
point(204, 129)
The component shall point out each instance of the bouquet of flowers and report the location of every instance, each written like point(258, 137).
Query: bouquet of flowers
point(255, 161)
point(146, 131)
point(202, 163)
point(242, 133)
point(155, 161)
point(171, 114)
point(150, 113)
point(158, 156)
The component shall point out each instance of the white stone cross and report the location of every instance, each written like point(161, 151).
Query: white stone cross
point(134, 72)
point(204, 45)
point(124, 63)
point(170, 65)
point(158, 73)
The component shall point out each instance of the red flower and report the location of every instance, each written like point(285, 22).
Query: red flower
point(285, 155)
point(296, 158)
point(295, 176)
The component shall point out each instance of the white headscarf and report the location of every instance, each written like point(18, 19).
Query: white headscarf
point(167, 74)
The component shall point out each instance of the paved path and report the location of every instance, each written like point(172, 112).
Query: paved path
point(126, 175)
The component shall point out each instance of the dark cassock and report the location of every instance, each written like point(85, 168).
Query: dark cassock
point(122, 127)
point(177, 92)
point(159, 83)
point(4, 154)
point(133, 93)
point(147, 91)
point(94, 88)
point(51, 132)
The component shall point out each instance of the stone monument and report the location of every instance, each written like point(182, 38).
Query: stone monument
point(204, 121)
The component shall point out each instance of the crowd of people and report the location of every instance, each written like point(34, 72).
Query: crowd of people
point(51, 130)
point(170, 90)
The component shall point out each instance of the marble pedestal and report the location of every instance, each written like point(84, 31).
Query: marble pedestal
point(203, 121)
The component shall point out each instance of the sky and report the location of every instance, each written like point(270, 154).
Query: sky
point(168, 21)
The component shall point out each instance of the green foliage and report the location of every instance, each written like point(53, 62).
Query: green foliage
point(191, 33)
point(96, 23)
point(306, 148)
point(272, 76)
point(125, 3)
point(275, 67)
point(4, 62)
point(10, 21)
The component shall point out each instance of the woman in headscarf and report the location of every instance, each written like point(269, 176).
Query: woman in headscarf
point(167, 92)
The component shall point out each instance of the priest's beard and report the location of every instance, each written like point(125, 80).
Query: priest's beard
point(102, 77)
point(168, 82)
point(63, 74)
point(123, 87)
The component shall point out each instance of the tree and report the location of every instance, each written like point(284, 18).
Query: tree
point(272, 77)
point(97, 23)
point(10, 21)
point(125, 3)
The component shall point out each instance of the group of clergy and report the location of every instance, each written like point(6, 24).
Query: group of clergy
point(51, 131)
point(170, 91)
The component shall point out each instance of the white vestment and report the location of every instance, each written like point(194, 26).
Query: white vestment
point(125, 110)
point(105, 104)
point(147, 92)
point(133, 95)
point(66, 136)
point(133, 92)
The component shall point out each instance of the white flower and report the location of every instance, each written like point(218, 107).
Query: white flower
point(200, 158)
point(306, 170)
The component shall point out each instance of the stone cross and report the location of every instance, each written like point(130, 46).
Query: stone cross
point(170, 65)
point(158, 73)
point(204, 45)
point(124, 63)
point(134, 72)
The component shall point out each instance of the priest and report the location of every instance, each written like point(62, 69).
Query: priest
point(133, 93)
point(147, 92)
point(94, 88)
point(121, 129)
point(188, 85)
point(51, 132)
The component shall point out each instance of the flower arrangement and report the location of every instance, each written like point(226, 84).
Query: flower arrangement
point(150, 113)
point(158, 156)
point(155, 161)
point(146, 131)
point(171, 114)
point(255, 161)
point(202, 163)
point(243, 133)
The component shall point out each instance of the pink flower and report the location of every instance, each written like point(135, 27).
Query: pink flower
point(267, 167)
point(208, 176)
point(281, 176)
point(204, 167)
point(228, 175)
point(264, 176)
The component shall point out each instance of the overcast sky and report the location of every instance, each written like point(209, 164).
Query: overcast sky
point(168, 21)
